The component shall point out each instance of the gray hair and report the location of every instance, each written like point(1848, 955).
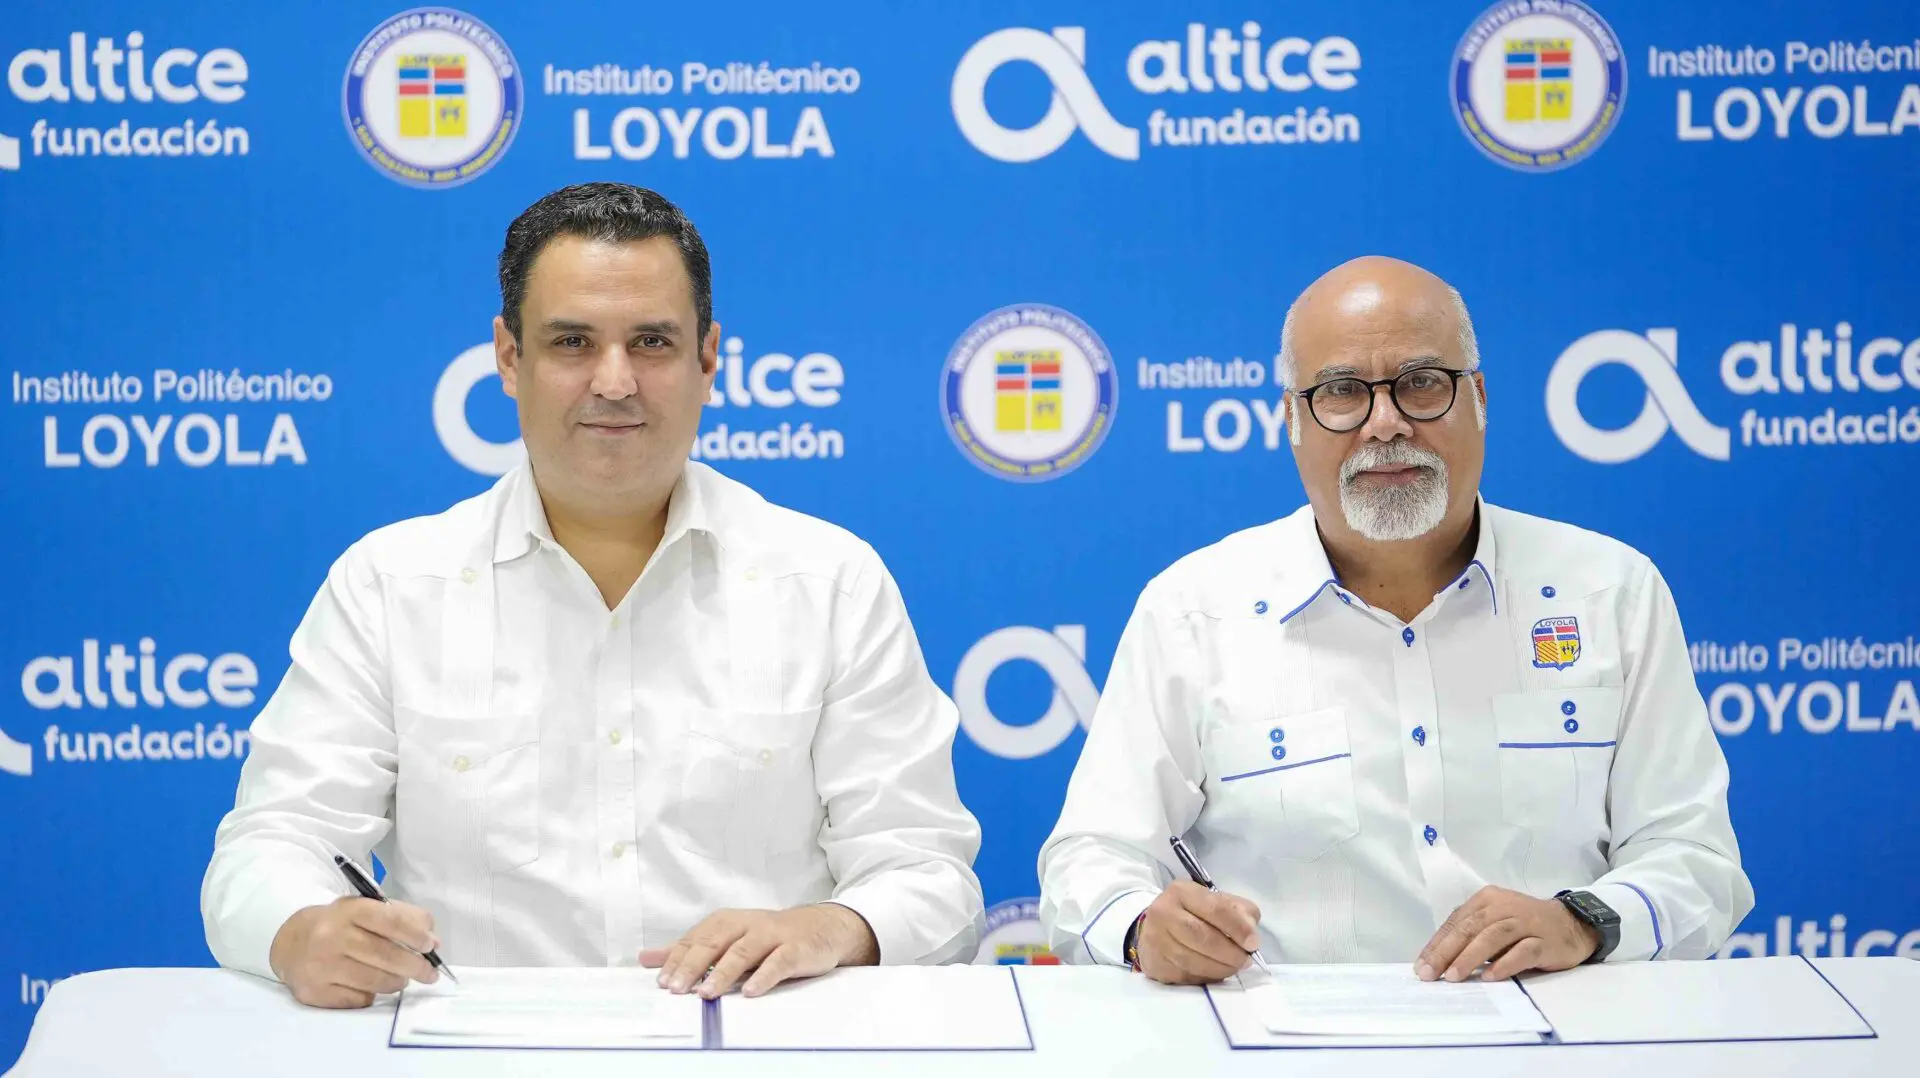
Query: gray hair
point(1469, 345)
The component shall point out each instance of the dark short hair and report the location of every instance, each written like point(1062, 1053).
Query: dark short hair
point(610, 213)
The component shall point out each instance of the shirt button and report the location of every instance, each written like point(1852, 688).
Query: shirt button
point(467, 576)
point(1420, 736)
point(1548, 591)
point(1464, 581)
point(1276, 735)
point(1407, 635)
point(1567, 708)
point(461, 763)
point(766, 756)
point(1571, 726)
point(619, 849)
point(1260, 607)
point(1279, 752)
point(1430, 835)
point(614, 736)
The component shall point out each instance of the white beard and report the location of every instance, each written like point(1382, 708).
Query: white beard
point(1388, 514)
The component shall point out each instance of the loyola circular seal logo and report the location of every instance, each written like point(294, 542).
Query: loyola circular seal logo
point(432, 97)
point(1013, 936)
point(1538, 84)
point(1028, 392)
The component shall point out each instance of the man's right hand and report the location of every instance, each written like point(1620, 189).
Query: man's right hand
point(1195, 936)
point(343, 953)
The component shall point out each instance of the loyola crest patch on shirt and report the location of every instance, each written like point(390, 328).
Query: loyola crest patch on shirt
point(1556, 642)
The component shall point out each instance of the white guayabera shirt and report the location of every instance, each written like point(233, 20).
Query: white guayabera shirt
point(559, 783)
point(1536, 727)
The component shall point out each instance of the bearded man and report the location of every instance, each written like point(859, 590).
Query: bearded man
point(1399, 724)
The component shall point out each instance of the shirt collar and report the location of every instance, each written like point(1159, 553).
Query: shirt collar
point(1306, 574)
point(1482, 564)
point(523, 519)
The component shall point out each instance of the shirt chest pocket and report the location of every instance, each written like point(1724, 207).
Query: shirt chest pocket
point(745, 777)
point(1282, 786)
point(466, 784)
point(1556, 752)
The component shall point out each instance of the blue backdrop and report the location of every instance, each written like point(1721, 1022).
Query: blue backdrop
point(1007, 281)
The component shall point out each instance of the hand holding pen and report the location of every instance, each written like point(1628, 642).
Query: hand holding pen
point(348, 951)
point(1194, 933)
point(1200, 877)
point(364, 884)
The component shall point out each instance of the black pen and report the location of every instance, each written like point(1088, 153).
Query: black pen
point(1200, 877)
point(364, 884)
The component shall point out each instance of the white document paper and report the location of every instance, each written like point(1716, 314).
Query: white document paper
point(1373, 1006)
point(1736, 999)
point(592, 1007)
point(1388, 1000)
point(954, 1008)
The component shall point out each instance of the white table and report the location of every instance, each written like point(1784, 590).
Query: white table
point(1085, 1021)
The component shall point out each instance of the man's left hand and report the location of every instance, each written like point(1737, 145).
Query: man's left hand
point(1515, 932)
point(772, 945)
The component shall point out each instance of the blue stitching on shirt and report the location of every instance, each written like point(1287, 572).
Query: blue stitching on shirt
point(1488, 577)
point(1658, 943)
point(1484, 575)
point(1094, 958)
point(1283, 767)
point(1316, 594)
point(1558, 744)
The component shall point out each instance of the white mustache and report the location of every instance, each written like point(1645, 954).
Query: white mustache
point(1372, 455)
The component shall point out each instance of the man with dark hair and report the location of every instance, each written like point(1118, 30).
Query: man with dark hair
point(616, 710)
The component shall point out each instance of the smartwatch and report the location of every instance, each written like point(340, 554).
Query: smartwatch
point(1587, 907)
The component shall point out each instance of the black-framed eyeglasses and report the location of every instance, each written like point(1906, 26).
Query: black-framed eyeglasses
point(1422, 394)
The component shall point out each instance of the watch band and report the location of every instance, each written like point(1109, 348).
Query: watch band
point(1132, 944)
point(1589, 910)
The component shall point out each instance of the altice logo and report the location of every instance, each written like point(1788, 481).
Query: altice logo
point(15, 758)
